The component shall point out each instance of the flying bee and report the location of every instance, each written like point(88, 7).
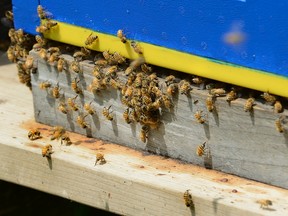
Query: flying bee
point(62, 108)
point(144, 133)
point(56, 91)
point(271, 99)
point(61, 64)
point(136, 63)
point(279, 126)
point(232, 95)
point(81, 121)
point(249, 104)
point(40, 40)
point(107, 113)
point(43, 54)
point(41, 13)
point(198, 116)
point(121, 35)
point(29, 62)
point(264, 203)
point(72, 104)
point(185, 87)
point(126, 116)
point(188, 198)
point(57, 132)
point(47, 151)
point(198, 80)
point(111, 71)
point(278, 107)
point(217, 92)
point(75, 66)
point(172, 89)
point(210, 103)
point(169, 80)
point(9, 15)
point(75, 87)
point(91, 39)
point(100, 158)
point(89, 108)
point(136, 47)
point(44, 85)
point(66, 139)
point(34, 134)
point(201, 149)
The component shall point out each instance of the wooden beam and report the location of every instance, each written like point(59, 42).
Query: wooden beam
point(130, 183)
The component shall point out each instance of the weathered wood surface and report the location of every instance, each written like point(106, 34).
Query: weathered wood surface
point(130, 183)
point(241, 143)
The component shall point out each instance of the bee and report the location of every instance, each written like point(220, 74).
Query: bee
point(54, 57)
point(144, 133)
point(100, 158)
point(95, 86)
point(47, 151)
point(41, 29)
point(185, 87)
point(210, 103)
point(37, 47)
point(53, 50)
point(9, 15)
point(169, 79)
point(89, 108)
point(75, 66)
point(50, 24)
point(118, 58)
point(138, 81)
point(146, 69)
point(34, 134)
point(44, 85)
point(126, 116)
point(101, 62)
point(29, 62)
point(106, 112)
point(172, 89)
point(188, 198)
point(72, 104)
point(75, 87)
point(217, 92)
point(86, 51)
point(111, 71)
point(198, 80)
point(81, 121)
point(232, 95)
point(128, 71)
point(127, 92)
point(62, 108)
point(91, 39)
point(56, 91)
point(264, 203)
point(198, 116)
point(61, 64)
point(66, 139)
point(136, 47)
point(121, 35)
point(11, 54)
point(271, 99)
point(278, 107)
point(57, 132)
point(41, 13)
point(40, 40)
point(78, 56)
point(249, 104)
point(43, 53)
point(96, 72)
point(106, 55)
point(201, 149)
point(167, 101)
point(279, 126)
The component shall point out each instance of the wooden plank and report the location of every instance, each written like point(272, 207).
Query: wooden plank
point(130, 183)
point(241, 143)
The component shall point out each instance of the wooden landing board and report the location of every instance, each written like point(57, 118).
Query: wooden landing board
point(241, 143)
point(130, 183)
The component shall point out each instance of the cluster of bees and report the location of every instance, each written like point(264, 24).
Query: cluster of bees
point(58, 133)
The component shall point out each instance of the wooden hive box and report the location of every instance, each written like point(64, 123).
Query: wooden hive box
point(242, 143)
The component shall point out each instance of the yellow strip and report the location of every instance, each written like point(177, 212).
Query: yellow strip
point(192, 64)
